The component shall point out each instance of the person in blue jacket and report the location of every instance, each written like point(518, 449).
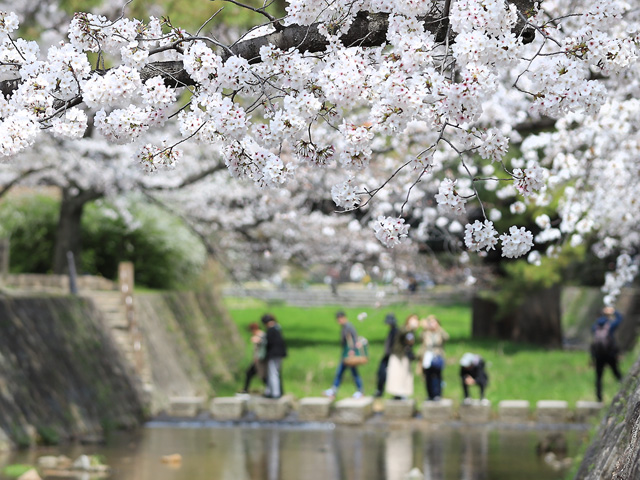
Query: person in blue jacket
point(604, 349)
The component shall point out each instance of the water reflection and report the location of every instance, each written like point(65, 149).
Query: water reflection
point(371, 453)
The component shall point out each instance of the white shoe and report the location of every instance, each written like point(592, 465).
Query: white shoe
point(329, 392)
point(358, 395)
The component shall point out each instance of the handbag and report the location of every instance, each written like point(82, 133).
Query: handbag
point(360, 356)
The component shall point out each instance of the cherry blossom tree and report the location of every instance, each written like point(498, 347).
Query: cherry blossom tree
point(412, 105)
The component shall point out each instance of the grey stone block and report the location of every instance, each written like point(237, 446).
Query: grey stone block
point(228, 408)
point(270, 408)
point(585, 410)
point(436, 411)
point(475, 411)
point(353, 410)
point(513, 411)
point(399, 409)
point(314, 408)
point(185, 406)
point(552, 411)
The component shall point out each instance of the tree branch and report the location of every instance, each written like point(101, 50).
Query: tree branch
point(367, 30)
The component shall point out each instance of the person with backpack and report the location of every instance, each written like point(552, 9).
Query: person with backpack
point(604, 350)
point(350, 345)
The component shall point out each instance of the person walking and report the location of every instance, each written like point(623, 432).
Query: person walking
point(257, 367)
point(399, 373)
point(432, 355)
point(275, 352)
point(381, 376)
point(472, 372)
point(350, 344)
point(604, 349)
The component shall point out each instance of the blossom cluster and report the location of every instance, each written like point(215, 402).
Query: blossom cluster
point(517, 242)
point(480, 236)
point(413, 100)
point(390, 230)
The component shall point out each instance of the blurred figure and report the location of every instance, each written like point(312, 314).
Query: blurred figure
point(350, 345)
point(275, 352)
point(472, 372)
point(390, 320)
point(432, 355)
point(604, 350)
point(257, 367)
point(399, 373)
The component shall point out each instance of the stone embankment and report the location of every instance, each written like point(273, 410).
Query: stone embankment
point(74, 367)
point(355, 411)
point(614, 453)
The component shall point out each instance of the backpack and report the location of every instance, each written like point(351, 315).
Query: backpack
point(601, 343)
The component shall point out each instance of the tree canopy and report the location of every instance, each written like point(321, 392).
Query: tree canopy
point(406, 111)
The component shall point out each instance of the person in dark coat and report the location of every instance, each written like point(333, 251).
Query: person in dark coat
point(392, 321)
point(604, 349)
point(472, 372)
point(276, 351)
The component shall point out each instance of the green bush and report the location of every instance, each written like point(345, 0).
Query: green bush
point(164, 252)
point(30, 224)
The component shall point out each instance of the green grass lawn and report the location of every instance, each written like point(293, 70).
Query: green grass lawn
point(516, 371)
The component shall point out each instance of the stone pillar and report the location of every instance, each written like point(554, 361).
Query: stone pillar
point(437, 411)
point(311, 409)
point(228, 408)
point(4, 259)
point(353, 410)
point(126, 285)
point(513, 411)
point(552, 411)
point(475, 411)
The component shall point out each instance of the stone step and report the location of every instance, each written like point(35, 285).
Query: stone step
point(586, 410)
point(228, 408)
point(552, 411)
point(353, 410)
point(270, 408)
point(475, 411)
point(312, 409)
point(513, 411)
point(437, 411)
point(399, 409)
point(185, 406)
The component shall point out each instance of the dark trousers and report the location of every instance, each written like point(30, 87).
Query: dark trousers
point(479, 382)
point(602, 361)
point(251, 372)
point(382, 375)
point(433, 381)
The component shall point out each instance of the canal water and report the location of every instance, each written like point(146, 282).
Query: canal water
point(322, 452)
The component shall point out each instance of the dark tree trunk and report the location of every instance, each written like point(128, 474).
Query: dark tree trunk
point(536, 320)
point(69, 230)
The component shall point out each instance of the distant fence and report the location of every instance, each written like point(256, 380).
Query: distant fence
point(350, 295)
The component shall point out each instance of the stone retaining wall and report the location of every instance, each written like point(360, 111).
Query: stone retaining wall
point(33, 282)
